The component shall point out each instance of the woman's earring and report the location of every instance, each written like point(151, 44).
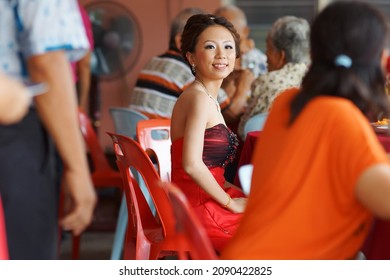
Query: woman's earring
point(193, 68)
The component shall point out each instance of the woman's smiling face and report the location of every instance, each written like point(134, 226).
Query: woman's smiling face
point(215, 53)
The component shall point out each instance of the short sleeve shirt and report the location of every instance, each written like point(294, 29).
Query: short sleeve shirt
point(302, 203)
point(30, 27)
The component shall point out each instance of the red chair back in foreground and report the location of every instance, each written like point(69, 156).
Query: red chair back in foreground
point(191, 231)
point(154, 135)
point(155, 236)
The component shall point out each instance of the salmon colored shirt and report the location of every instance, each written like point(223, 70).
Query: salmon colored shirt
point(302, 203)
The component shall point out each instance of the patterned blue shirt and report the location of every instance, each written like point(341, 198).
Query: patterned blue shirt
point(35, 27)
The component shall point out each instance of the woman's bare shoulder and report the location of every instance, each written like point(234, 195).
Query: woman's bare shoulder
point(192, 96)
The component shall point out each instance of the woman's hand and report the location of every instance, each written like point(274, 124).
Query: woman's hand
point(237, 205)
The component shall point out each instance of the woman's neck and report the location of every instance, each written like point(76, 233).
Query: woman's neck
point(212, 86)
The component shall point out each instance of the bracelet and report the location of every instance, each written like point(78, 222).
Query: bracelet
point(227, 204)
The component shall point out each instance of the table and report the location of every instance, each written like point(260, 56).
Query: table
point(385, 141)
point(377, 246)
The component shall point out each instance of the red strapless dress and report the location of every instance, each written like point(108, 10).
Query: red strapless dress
point(220, 145)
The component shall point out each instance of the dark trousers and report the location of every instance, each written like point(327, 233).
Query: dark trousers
point(29, 189)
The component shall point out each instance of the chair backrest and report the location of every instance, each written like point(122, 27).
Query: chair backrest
point(189, 227)
point(125, 123)
point(255, 123)
point(131, 155)
point(98, 157)
point(154, 136)
point(125, 120)
point(140, 215)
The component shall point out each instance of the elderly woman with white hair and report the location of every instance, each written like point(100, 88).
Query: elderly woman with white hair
point(288, 57)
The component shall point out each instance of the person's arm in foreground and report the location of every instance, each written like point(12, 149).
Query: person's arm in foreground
point(58, 111)
point(373, 190)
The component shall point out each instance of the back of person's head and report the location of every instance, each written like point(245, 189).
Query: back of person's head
point(290, 34)
point(236, 16)
point(347, 42)
point(178, 23)
point(197, 24)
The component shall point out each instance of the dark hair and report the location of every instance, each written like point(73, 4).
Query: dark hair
point(358, 32)
point(197, 24)
point(177, 25)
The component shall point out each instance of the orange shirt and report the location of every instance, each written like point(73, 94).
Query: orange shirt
point(302, 203)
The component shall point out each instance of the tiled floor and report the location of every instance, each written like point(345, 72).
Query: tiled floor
point(94, 246)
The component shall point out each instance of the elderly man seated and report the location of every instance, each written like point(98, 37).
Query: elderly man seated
point(287, 56)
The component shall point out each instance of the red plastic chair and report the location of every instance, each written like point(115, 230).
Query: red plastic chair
point(188, 226)
point(3, 236)
point(147, 236)
point(103, 175)
point(154, 135)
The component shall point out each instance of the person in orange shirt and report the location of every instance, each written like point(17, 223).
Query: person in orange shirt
point(320, 173)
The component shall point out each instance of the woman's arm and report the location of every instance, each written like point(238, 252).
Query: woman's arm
point(373, 190)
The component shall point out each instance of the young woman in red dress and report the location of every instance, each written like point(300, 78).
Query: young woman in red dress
point(202, 144)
